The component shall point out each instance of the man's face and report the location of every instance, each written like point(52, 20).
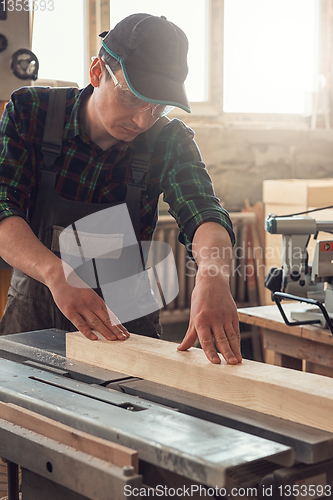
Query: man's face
point(109, 114)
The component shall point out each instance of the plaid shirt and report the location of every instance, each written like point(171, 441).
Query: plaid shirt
point(89, 174)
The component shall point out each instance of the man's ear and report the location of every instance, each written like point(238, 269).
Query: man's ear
point(95, 72)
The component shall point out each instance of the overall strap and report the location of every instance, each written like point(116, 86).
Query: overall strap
point(54, 126)
point(51, 150)
point(52, 138)
point(140, 165)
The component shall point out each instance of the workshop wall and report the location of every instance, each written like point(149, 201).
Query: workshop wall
point(238, 160)
point(240, 157)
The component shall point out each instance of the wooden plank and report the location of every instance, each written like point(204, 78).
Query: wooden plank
point(5, 277)
point(172, 241)
point(233, 264)
point(258, 210)
point(297, 396)
point(259, 256)
point(100, 448)
point(2, 106)
point(182, 278)
point(3, 478)
point(241, 264)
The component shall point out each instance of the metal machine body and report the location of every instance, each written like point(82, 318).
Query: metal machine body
point(298, 279)
point(18, 65)
point(182, 439)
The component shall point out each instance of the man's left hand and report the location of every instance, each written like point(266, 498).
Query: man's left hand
point(213, 319)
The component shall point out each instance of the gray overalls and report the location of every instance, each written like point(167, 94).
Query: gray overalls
point(30, 304)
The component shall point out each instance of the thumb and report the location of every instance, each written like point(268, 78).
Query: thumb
point(189, 339)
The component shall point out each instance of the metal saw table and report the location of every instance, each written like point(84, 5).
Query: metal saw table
point(181, 439)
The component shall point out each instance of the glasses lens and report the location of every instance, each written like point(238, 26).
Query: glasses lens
point(128, 99)
point(161, 110)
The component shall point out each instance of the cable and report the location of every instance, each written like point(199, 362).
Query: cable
point(307, 211)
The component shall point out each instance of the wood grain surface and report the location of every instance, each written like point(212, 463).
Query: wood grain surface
point(297, 396)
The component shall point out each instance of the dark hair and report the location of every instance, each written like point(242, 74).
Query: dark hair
point(111, 61)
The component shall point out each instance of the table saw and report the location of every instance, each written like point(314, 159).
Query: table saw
point(188, 445)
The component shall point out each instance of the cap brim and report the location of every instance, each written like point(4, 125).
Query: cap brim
point(160, 89)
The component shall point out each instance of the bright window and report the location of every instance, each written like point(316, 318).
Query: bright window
point(270, 49)
point(58, 40)
point(192, 17)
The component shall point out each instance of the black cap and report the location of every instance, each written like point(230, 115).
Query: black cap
point(152, 52)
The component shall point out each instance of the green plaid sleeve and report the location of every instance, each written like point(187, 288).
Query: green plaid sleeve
point(188, 188)
point(13, 157)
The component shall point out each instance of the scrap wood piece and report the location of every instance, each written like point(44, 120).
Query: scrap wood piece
point(98, 447)
point(297, 396)
point(2, 106)
point(3, 479)
point(258, 210)
point(5, 277)
point(257, 238)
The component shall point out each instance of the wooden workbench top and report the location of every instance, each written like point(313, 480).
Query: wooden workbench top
point(270, 317)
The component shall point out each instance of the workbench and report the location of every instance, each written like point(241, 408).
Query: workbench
point(304, 347)
point(182, 439)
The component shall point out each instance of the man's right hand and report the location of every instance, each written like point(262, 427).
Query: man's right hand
point(80, 304)
point(87, 311)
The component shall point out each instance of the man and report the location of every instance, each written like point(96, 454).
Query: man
point(139, 74)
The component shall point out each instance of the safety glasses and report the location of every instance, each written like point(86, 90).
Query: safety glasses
point(130, 101)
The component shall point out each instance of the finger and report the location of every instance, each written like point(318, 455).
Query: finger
point(86, 325)
point(237, 348)
point(189, 339)
point(228, 345)
point(109, 318)
point(83, 327)
point(110, 333)
point(207, 344)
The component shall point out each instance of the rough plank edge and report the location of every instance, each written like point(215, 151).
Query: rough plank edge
point(115, 453)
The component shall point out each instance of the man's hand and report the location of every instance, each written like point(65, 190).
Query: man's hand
point(79, 303)
point(213, 320)
point(86, 310)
